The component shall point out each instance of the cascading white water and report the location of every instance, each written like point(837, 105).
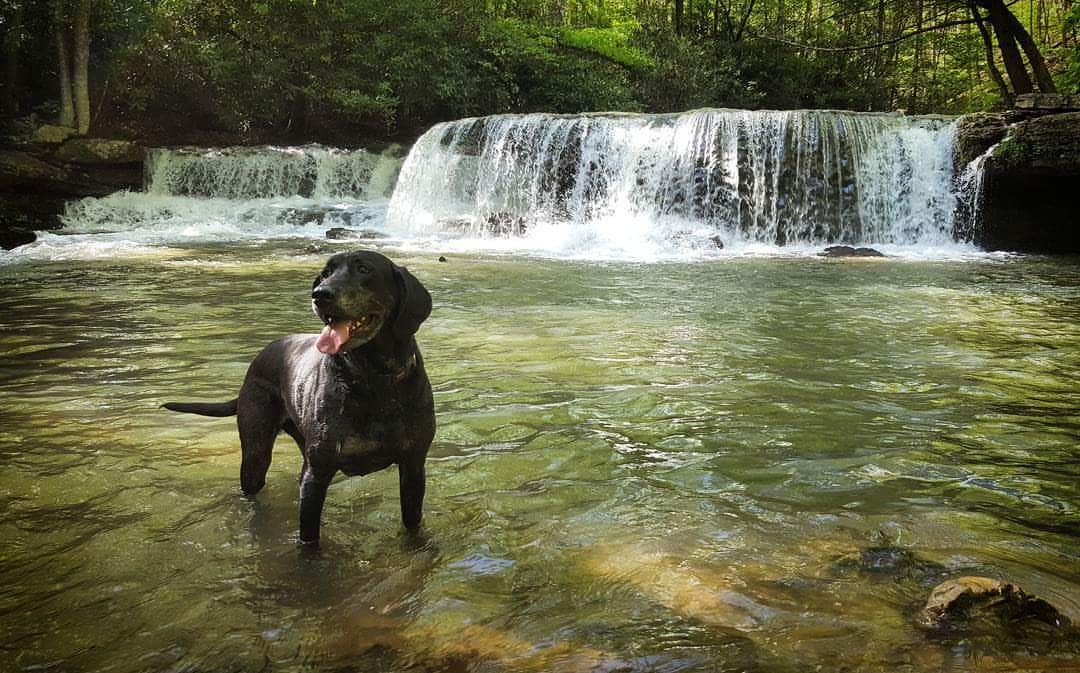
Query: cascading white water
point(264, 172)
point(235, 193)
point(693, 180)
point(596, 186)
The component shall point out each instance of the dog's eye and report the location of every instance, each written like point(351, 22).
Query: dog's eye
point(360, 267)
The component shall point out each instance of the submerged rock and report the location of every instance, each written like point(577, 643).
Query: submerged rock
point(849, 251)
point(956, 601)
point(891, 561)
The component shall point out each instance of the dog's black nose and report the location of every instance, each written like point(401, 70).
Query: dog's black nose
point(323, 294)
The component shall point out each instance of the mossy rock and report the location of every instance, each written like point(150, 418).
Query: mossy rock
point(100, 151)
point(1049, 144)
point(50, 134)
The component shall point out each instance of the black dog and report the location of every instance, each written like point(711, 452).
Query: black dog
point(355, 398)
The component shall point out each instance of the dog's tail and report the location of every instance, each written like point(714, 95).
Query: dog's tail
point(217, 409)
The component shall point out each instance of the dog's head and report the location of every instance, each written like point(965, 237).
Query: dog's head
point(360, 294)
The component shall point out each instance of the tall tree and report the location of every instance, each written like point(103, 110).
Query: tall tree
point(67, 103)
point(82, 67)
point(12, 43)
point(73, 68)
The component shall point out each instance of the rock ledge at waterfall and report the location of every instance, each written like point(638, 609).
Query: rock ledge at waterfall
point(36, 179)
point(1030, 179)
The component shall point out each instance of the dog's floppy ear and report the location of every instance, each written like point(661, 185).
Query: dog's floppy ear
point(413, 304)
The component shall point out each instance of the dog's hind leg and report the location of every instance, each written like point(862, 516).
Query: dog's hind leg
point(258, 418)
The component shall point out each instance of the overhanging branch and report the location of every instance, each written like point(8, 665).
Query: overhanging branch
point(874, 45)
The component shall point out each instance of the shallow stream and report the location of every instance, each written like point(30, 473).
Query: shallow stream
point(743, 464)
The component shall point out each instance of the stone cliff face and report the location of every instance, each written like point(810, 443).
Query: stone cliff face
point(1031, 185)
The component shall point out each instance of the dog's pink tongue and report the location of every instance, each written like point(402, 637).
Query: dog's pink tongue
point(333, 337)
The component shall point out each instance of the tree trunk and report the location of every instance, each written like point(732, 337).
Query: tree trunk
point(67, 105)
point(82, 67)
point(879, 57)
point(988, 44)
point(1010, 54)
point(678, 17)
point(917, 65)
point(11, 63)
point(1034, 56)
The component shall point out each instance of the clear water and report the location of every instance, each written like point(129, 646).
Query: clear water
point(639, 467)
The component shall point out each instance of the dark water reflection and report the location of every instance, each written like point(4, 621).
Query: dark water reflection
point(638, 467)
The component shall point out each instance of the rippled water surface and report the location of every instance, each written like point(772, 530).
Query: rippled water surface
point(739, 465)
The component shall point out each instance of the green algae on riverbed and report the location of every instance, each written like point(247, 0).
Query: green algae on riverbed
point(638, 467)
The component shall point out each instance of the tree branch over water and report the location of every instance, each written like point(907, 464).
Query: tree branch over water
point(873, 45)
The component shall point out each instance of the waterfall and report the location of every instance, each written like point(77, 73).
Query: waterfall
point(221, 194)
point(700, 179)
point(612, 186)
point(263, 172)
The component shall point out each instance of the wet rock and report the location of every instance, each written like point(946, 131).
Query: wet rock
point(717, 241)
point(976, 133)
point(50, 134)
point(955, 601)
point(1030, 182)
point(26, 173)
point(849, 251)
point(340, 233)
point(442, 258)
point(344, 234)
point(100, 151)
point(505, 224)
point(11, 238)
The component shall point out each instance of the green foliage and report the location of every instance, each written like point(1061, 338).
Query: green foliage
point(610, 43)
point(1070, 76)
point(534, 70)
point(693, 75)
point(346, 70)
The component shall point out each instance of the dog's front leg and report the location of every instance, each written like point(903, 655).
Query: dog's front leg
point(314, 481)
point(411, 489)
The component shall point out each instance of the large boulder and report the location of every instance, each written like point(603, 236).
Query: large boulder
point(1030, 183)
point(96, 151)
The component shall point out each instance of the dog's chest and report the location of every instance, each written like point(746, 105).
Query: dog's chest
point(365, 453)
point(372, 440)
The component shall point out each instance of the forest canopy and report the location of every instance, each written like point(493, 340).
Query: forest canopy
point(345, 71)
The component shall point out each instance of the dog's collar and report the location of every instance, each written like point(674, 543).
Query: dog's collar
point(402, 373)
